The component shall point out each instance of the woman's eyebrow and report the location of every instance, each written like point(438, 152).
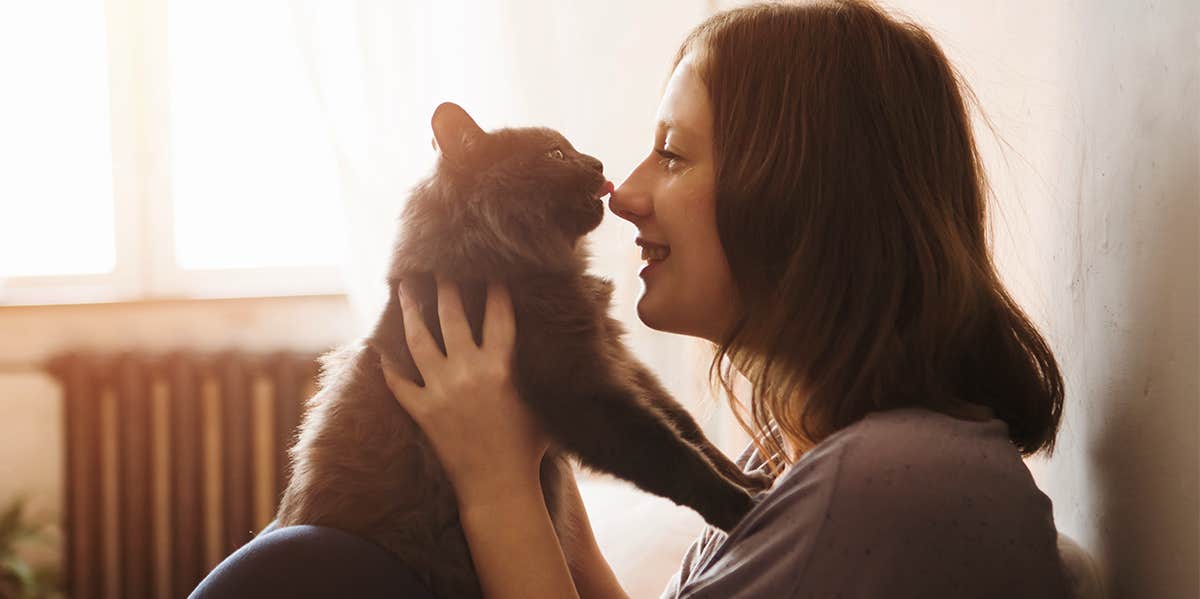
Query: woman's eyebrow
point(675, 127)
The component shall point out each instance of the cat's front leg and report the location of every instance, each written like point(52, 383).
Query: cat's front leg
point(607, 426)
point(690, 430)
point(610, 431)
point(569, 378)
point(658, 398)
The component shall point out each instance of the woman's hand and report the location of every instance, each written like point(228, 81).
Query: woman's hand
point(486, 438)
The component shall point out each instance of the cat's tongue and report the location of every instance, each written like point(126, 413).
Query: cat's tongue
point(605, 189)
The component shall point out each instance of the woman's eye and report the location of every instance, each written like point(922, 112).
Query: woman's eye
point(667, 159)
point(556, 154)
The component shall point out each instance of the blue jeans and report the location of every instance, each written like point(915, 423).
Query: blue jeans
point(310, 562)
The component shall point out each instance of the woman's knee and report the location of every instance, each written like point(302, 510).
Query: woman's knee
point(310, 561)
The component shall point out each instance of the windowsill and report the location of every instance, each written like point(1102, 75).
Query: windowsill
point(159, 301)
point(31, 334)
point(171, 283)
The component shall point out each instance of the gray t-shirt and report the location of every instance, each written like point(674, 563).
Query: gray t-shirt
point(904, 503)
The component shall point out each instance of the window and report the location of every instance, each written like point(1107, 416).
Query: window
point(55, 150)
point(162, 148)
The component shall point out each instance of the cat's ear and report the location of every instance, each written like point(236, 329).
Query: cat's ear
point(454, 131)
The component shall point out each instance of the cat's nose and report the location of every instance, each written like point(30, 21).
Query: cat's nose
point(595, 164)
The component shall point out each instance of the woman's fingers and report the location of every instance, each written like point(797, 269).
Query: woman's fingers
point(403, 389)
point(499, 326)
point(424, 349)
point(455, 329)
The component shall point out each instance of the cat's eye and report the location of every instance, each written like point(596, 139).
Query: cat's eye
point(556, 154)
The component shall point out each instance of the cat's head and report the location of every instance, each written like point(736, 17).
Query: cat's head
point(531, 181)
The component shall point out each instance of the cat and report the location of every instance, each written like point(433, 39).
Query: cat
point(511, 205)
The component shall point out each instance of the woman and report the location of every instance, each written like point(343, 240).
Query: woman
point(816, 192)
point(813, 205)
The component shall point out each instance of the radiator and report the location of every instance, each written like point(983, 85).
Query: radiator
point(173, 461)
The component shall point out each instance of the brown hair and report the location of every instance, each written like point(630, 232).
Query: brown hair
point(850, 203)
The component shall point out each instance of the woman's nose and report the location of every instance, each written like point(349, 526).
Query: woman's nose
point(629, 201)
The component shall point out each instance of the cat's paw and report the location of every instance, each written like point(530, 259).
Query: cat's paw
point(726, 513)
point(756, 482)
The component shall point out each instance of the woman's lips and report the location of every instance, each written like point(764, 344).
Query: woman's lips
point(650, 265)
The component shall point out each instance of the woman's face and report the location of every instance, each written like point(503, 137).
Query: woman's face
point(670, 197)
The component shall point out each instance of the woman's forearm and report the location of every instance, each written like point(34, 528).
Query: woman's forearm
point(594, 578)
point(513, 544)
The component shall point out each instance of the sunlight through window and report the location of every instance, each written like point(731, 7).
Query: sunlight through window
point(56, 191)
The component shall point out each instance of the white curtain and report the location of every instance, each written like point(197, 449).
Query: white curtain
point(379, 69)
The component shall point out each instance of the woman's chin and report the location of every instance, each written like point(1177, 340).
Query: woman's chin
point(658, 315)
point(644, 313)
point(649, 313)
point(661, 315)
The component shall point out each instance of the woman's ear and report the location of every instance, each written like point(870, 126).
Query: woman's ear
point(454, 131)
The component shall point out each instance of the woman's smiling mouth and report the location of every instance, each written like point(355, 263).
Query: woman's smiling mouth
point(652, 253)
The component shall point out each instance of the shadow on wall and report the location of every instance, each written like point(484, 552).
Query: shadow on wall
point(1137, 308)
point(1144, 453)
